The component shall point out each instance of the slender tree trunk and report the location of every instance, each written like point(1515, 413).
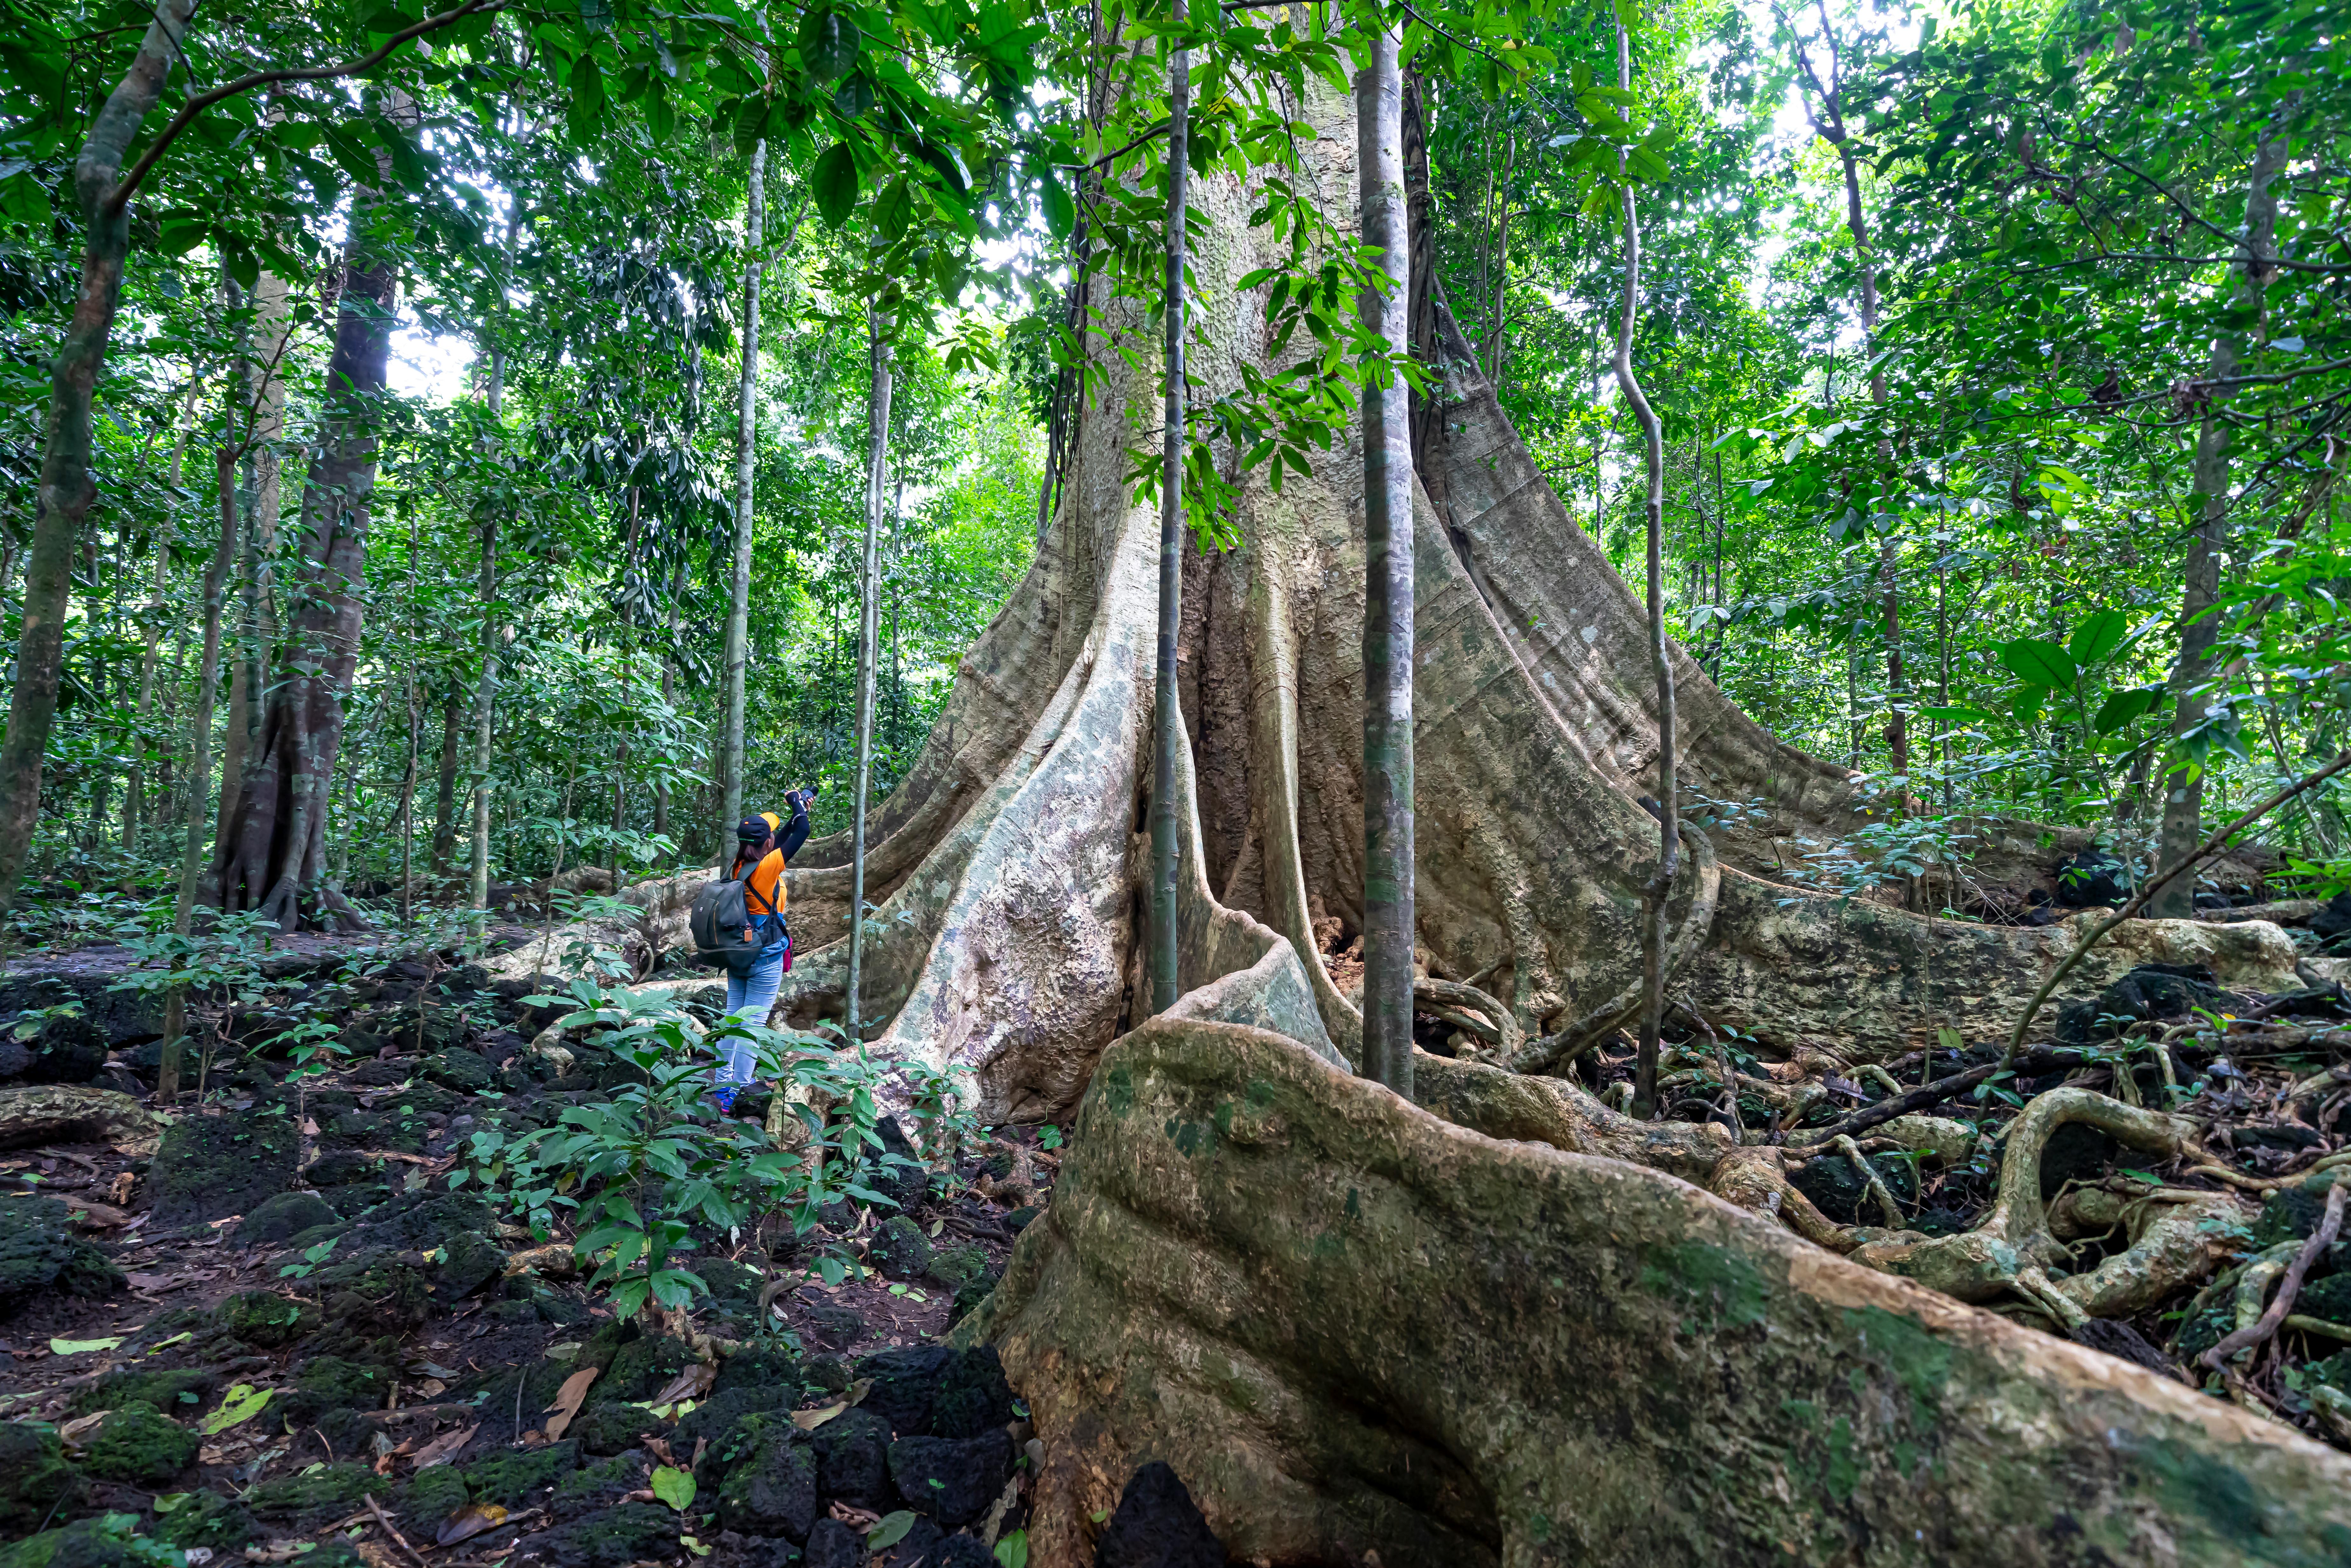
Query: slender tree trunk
point(669, 696)
point(445, 793)
point(192, 852)
point(1165, 715)
point(1388, 928)
point(67, 489)
point(877, 456)
point(1652, 906)
point(2183, 782)
point(152, 618)
point(276, 856)
point(746, 421)
point(486, 688)
point(628, 651)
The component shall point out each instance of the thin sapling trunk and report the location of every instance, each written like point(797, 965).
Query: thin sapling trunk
point(1165, 713)
point(877, 455)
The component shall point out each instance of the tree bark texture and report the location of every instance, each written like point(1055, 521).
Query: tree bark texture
point(273, 858)
point(1166, 720)
point(66, 488)
point(869, 596)
point(738, 609)
point(1283, 1283)
point(1388, 880)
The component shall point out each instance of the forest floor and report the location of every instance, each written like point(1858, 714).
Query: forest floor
point(269, 1325)
point(273, 1323)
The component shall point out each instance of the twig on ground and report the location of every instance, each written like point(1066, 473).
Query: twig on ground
point(393, 1530)
point(2259, 1332)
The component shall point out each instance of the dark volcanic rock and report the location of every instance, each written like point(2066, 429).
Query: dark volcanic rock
point(2091, 880)
point(211, 1165)
point(852, 1452)
point(288, 1215)
point(138, 1447)
point(40, 1253)
point(906, 1382)
point(952, 1480)
point(1157, 1525)
point(35, 1482)
point(609, 1537)
point(1837, 1189)
point(900, 1250)
point(973, 1396)
point(832, 1544)
point(771, 1485)
point(2150, 991)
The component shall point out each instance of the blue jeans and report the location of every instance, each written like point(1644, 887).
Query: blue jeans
point(749, 999)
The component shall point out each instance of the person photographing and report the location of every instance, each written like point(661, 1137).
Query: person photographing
point(742, 919)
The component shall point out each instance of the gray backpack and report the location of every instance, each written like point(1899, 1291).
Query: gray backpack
point(723, 914)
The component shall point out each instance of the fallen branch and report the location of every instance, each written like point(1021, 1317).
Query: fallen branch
point(2155, 884)
point(393, 1530)
point(2329, 1228)
point(1928, 1095)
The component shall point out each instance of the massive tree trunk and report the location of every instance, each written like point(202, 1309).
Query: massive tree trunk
point(273, 856)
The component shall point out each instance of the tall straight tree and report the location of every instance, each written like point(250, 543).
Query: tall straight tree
point(274, 860)
point(67, 485)
point(869, 595)
point(746, 423)
point(1387, 564)
point(1165, 714)
point(2183, 784)
point(1653, 510)
point(485, 686)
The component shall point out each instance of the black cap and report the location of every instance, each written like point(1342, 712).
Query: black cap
point(752, 830)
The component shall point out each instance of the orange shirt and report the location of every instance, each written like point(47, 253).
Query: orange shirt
point(766, 885)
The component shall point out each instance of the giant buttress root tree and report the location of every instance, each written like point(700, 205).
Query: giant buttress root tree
point(1009, 870)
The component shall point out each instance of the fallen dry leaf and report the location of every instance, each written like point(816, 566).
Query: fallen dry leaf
point(857, 1518)
point(122, 1189)
point(809, 1420)
point(469, 1521)
point(567, 1401)
point(96, 1215)
point(376, 1555)
point(443, 1449)
point(691, 1382)
point(73, 1432)
point(553, 1260)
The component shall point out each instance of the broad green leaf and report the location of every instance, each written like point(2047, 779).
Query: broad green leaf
point(2120, 709)
point(673, 1487)
point(1012, 1551)
point(834, 180)
point(586, 111)
point(80, 1346)
point(828, 43)
point(1061, 213)
point(2039, 663)
point(240, 1404)
point(893, 210)
point(2097, 637)
point(890, 1532)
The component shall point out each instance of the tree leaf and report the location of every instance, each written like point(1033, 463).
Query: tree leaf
point(2097, 637)
point(834, 178)
point(240, 1404)
point(2119, 710)
point(2039, 663)
point(673, 1487)
point(444, 1448)
point(828, 43)
point(1061, 213)
point(469, 1521)
point(80, 1346)
point(893, 210)
point(568, 1400)
point(890, 1532)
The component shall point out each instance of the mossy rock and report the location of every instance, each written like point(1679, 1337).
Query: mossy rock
point(430, 1496)
point(265, 1319)
point(211, 1165)
point(318, 1497)
point(376, 1291)
point(108, 1540)
point(140, 1447)
point(770, 1484)
point(285, 1217)
point(208, 1520)
point(613, 1427)
point(35, 1482)
point(734, 1287)
point(470, 1262)
point(421, 1220)
point(601, 1484)
point(39, 1252)
point(2328, 1299)
point(955, 1267)
point(342, 1168)
point(608, 1538)
point(182, 1393)
point(900, 1250)
point(778, 1370)
point(714, 1417)
point(349, 1383)
point(522, 1477)
point(465, 1072)
point(971, 1292)
point(642, 1368)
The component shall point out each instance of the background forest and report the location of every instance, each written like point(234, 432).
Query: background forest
point(1994, 468)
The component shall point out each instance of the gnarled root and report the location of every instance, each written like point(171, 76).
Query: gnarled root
point(1474, 1012)
point(2016, 1248)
